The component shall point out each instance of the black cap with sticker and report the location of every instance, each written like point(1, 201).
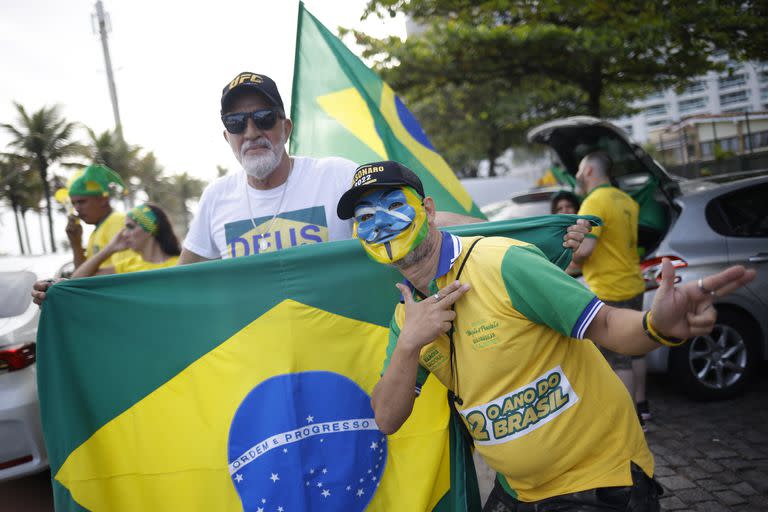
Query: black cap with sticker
point(376, 174)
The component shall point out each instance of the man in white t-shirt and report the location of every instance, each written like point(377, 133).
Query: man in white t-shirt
point(275, 201)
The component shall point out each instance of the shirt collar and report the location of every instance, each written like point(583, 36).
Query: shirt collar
point(450, 249)
point(604, 185)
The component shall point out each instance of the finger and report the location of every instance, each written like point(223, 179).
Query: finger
point(579, 228)
point(667, 276)
point(405, 292)
point(447, 289)
point(449, 315)
point(41, 285)
point(729, 279)
point(38, 297)
point(454, 295)
point(704, 319)
point(574, 235)
point(446, 326)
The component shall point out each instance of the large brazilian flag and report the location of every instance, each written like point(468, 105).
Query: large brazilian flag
point(245, 384)
point(340, 107)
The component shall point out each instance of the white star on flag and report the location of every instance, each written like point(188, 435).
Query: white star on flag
point(374, 445)
point(310, 418)
point(325, 471)
point(326, 493)
point(279, 509)
point(319, 484)
point(349, 487)
point(285, 450)
point(259, 509)
point(263, 500)
point(274, 477)
point(238, 477)
point(360, 492)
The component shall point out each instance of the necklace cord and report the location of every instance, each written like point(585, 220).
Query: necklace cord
point(277, 211)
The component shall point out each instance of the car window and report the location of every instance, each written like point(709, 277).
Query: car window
point(743, 213)
point(15, 292)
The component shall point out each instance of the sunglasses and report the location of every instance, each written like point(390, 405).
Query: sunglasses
point(262, 119)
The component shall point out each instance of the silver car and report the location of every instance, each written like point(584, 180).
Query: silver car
point(721, 225)
point(22, 450)
point(702, 225)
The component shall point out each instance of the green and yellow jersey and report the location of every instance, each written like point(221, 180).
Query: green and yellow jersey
point(544, 408)
point(612, 271)
point(136, 263)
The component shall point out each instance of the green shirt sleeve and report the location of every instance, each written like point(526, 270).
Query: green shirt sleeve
point(394, 333)
point(545, 294)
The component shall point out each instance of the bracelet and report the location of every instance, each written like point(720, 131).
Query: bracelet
point(659, 338)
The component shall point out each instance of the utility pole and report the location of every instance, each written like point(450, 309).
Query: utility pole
point(102, 19)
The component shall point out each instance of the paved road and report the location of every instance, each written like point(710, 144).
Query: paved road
point(710, 457)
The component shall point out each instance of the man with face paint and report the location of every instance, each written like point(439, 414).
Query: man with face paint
point(503, 329)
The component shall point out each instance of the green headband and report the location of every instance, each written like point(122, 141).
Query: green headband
point(144, 217)
point(96, 180)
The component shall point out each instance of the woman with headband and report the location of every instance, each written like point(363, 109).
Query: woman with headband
point(149, 233)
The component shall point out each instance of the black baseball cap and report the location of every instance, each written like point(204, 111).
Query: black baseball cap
point(376, 174)
point(259, 83)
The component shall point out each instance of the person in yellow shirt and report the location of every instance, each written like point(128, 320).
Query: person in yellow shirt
point(148, 233)
point(608, 256)
point(89, 194)
point(503, 329)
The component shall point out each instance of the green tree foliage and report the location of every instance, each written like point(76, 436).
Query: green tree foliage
point(22, 190)
point(142, 173)
point(606, 49)
point(524, 62)
point(44, 138)
point(109, 148)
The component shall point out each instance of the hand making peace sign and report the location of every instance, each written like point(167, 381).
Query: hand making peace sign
point(427, 319)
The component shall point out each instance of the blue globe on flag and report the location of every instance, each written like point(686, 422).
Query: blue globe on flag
point(306, 441)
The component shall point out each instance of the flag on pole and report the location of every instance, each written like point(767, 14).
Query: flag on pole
point(340, 107)
point(245, 384)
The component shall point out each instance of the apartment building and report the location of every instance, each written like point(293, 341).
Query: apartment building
point(745, 89)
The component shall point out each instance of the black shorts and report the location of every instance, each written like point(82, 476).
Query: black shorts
point(641, 496)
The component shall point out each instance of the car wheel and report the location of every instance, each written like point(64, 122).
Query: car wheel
point(720, 364)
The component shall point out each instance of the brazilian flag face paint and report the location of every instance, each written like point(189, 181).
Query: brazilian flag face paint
point(390, 223)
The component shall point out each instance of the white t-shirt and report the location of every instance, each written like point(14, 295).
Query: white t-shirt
point(222, 227)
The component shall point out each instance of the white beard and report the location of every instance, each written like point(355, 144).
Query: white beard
point(262, 165)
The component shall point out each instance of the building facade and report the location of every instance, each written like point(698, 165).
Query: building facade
point(744, 89)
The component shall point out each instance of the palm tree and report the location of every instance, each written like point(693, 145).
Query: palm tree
point(22, 189)
point(109, 148)
point(186, 187)
point(44, 138)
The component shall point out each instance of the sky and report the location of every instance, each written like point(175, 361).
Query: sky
point(170, 59)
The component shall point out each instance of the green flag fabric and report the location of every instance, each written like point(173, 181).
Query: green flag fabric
point(340, 107)
point(244, 384)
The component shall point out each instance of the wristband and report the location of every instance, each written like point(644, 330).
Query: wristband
point(659, 338)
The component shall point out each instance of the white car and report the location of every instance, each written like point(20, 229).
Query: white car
point(22, 450)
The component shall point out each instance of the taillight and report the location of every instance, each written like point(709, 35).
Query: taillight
point(17, 357)
point(651, 269)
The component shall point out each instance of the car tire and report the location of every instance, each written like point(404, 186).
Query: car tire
point(721, 364)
